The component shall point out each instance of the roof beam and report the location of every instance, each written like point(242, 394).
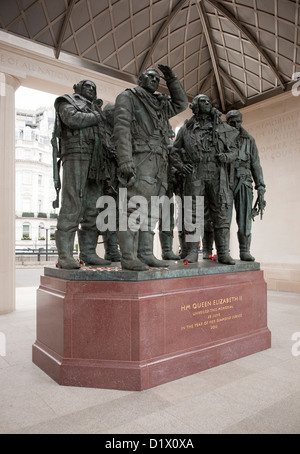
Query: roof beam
point(206, 81)
point(226, 13)
point(161, 31)
point(233, 86)
point(63, 28)
point(213, 52)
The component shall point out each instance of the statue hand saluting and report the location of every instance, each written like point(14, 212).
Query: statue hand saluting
point(167, 72)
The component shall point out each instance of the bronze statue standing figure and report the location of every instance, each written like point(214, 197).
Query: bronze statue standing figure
point(110, 183)
point(142, 134)
point(247, 170)
point(204, 150)
point(78, 130)
point(166, 236)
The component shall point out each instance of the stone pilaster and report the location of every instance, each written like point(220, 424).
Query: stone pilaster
point(8, 85)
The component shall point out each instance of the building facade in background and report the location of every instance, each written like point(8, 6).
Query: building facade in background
point(35, 216)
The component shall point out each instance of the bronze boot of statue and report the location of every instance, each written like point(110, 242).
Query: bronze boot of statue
point(183, 245)
point(87, 240)
point(192, 252)
point(244, 243)
point(145, 250)
point(111, 246)
point(65, 244)
point(166, 241)
point(128, 241)
point(222, 246)
point(207, 243)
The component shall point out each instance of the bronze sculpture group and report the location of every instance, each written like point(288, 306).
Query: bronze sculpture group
point(130, 146)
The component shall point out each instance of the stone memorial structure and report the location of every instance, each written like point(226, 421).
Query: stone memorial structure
point(133, 330)
point(136, 324)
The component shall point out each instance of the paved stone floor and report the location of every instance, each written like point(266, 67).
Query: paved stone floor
point(258, 394)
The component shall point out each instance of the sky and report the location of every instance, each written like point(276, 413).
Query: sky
point(26, 98)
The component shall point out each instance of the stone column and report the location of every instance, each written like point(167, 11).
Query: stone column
point(8, 85)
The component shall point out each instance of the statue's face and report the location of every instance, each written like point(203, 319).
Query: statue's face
point(88, 90)
point(149, 80)
point(204, 105)
point(109, 114)
point(235, 122)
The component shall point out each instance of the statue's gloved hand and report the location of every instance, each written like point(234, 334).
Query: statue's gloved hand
point(186, 169)
point(97, 105)
point(261, 190)
point(127, 172)
point(167, 72)
point(222, 157)
point(261, 198)
point(215, 111)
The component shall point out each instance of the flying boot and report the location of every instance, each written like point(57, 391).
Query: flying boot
point(128, 241)
point(192, 252)
point(183, 245)
point(222, 246)
point(166, 241)
point(207, 241)
point(65, 244)
point(145, 250)
point(111, 246)
point(87, 240)
point(244, 243)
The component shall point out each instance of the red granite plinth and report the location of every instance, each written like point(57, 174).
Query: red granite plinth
point(137, 335)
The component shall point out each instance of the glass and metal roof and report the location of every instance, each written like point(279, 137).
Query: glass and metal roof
point(237, 52)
